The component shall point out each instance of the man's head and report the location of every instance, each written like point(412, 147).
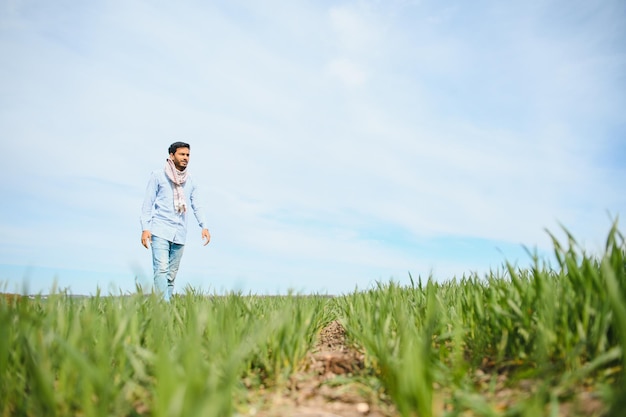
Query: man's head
point(179, 154)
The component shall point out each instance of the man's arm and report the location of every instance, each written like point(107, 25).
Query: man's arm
point(146, 210)
point(196, 204)
point(206, 236)
point(146, 238)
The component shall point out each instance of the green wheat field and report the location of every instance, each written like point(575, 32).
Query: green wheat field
point(519, 342)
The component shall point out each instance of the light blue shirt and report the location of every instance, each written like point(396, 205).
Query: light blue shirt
point(158, 214)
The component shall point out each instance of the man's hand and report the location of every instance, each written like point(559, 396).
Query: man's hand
point(146, 237)
point(206, 236)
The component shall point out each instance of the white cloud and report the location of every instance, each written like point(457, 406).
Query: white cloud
point(356, 28)
point(486, 123)
point(347, 72)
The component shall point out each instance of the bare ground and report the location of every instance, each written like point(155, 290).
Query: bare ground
point(330, 386)
point(326, 387)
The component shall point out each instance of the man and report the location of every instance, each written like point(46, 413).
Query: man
point(170, 193)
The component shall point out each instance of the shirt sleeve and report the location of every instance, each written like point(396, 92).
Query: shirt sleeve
point(196, 204)
point(148, 203)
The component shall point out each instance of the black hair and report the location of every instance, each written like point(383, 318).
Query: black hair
point(177, 145)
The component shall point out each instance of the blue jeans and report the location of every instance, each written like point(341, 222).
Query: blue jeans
point(166, 257)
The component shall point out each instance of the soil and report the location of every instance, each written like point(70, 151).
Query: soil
point(328, 386)
point(333, 384)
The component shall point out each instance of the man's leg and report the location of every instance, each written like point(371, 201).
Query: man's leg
point(160, 264)
point(176, 254)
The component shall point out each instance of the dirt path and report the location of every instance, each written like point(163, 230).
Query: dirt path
point(327, 387)
point(331, 385)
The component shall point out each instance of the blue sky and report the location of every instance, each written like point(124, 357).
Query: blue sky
point(337, 143)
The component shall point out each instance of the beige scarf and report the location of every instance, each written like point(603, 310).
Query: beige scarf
point(178, 178)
